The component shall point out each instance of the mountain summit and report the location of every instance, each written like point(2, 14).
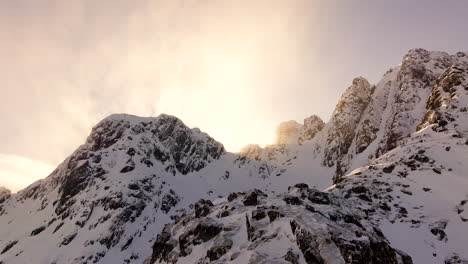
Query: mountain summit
point(383, 181)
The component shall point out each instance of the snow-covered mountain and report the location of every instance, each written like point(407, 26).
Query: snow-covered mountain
point(391, 164)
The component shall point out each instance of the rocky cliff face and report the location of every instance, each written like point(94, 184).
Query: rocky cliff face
point(391, 162)
point(293, 133)
point(344, 121)
point(446, 104)
point(312, 125)
point(369, 120)
point(5, 194)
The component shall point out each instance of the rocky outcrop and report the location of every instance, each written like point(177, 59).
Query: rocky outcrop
point(5, 194)
point(412, 86)
point(381, 117)
point(291, 132)
point(312, 125)
point(344, 121)
point(288, 132)
point(171, 140)
point(318, 228)
point(443, 106)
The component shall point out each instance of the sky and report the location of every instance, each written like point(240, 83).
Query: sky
point(235, 69)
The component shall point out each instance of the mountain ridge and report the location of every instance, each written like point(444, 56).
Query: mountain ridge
point(107, 202)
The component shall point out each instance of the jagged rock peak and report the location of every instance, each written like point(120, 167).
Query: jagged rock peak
point(425, 66)
point(164, 126)
point(345, 120)
point(171, 139)
point(312, 125)
point(291, 132)
point(4, 194)
point(359, 92)
point(253, 151)
point(287, 132)
point(419, 55)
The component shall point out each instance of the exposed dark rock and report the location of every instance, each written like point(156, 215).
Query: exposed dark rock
point(160, 155)
point(202, 232)
point(219, 248)
point(131, 152)
point(37, 231)
point(250, 199)
point(68, 239)
point(291, 257)
point(9, 246)
point(74, 182)
point(384, 206)
point(249, 227)
point(134, 186)
point(455, 260)
point(162, 247)
point(258, 214)
point(318, 197)
point(127, 244)
point(352, 220)
point(169, 200)
point(406, 191)
point(273, 215)
point(294, 200)
point(232, 196)
point(301, 186)
point(403, 210)
point(378, 231)
point(364, 197)
point(358, 189)
point(223, 213)
point(57, 228)
point(389, 168)
point(439, 233)
point(307, 244)
point(96, 158)
point(127, 168)
point(202, 208)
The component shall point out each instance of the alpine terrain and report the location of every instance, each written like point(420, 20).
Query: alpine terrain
point(383, 181)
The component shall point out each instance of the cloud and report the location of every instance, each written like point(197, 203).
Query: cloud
point(218, 65)
point(17, 172)
point(235, 69)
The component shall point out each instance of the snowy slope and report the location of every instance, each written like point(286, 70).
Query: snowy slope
point(393, 155)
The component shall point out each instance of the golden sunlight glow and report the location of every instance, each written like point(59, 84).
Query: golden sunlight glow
point(222, 66)
point(215, 110)
point(223, 71)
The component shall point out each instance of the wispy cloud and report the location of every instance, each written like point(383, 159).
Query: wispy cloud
point(233, 68)
point(16, 172)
